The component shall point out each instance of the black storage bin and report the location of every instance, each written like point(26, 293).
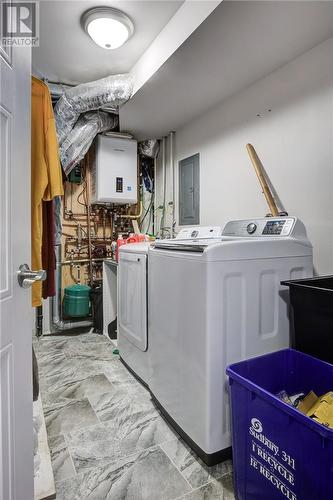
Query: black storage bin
point(96, 297)
point(112, 329)
point(311, 301)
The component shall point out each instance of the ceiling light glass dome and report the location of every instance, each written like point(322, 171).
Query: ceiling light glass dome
point(109, 28)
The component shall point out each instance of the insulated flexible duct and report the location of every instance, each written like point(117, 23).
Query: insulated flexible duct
point(149, 147)
point(77, 143)
point(112, 90)
point(57, 90)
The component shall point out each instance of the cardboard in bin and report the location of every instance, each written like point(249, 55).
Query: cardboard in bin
point(318, 408)
point(278, 452)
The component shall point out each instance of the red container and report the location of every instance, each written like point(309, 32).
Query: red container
point(136, 238)
point(133, 238)
point(120, 242)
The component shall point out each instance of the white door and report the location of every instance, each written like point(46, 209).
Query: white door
point(16, 435)
point(132, 299)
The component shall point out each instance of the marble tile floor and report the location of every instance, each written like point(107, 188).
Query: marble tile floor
point(107, 439)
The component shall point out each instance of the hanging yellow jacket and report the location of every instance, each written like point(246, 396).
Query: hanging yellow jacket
point(46, 176)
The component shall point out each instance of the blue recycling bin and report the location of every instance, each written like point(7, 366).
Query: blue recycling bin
point(279, 453)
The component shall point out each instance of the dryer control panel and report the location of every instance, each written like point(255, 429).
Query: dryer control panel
point(198, 232)
point(281, 226)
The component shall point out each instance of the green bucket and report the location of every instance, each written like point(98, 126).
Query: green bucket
point(76, 302)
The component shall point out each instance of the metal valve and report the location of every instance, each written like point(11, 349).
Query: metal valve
point(26, 277)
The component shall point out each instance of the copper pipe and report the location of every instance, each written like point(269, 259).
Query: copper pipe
point(73, 226)
point(111, 227)
point(76, 280)
point(104, 224)
point(72, 239)
point(134, 216)
point(73, 216)
point(81, 261)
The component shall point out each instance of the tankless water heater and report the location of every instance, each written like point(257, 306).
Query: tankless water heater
point(114, 171)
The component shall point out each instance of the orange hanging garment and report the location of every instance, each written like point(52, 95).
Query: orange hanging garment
point(46, 175)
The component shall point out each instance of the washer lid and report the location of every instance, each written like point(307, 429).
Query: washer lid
point(197, 245)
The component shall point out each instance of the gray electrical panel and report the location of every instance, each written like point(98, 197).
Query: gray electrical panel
point(189, 191)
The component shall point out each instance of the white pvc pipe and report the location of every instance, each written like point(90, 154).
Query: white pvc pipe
point(155, 197)
point(172, 166)
point(162, 222)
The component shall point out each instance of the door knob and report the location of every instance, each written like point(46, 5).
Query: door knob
point(26, 277)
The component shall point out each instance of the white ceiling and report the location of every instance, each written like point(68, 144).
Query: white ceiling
point(239, 43)
point(66, 54)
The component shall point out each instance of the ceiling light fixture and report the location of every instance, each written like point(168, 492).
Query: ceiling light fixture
point(110, 28)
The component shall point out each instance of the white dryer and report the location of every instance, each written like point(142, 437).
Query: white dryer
point(212, 304)
point(133, 340)
point(132, 306)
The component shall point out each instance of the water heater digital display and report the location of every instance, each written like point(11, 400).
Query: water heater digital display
point(119, 184)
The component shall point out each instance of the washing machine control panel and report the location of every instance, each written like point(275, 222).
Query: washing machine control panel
point(274, 227)
point(280, 226)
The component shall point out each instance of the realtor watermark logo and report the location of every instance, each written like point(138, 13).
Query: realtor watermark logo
point(20, 23)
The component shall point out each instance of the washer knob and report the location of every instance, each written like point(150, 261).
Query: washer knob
point(251, 228)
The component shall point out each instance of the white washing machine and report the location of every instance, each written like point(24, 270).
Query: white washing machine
point(133, 340)
point(214, 303)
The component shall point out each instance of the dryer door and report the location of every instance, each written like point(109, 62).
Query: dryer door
point(132, 299)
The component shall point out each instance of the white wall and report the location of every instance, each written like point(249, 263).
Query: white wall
point(294, 141)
